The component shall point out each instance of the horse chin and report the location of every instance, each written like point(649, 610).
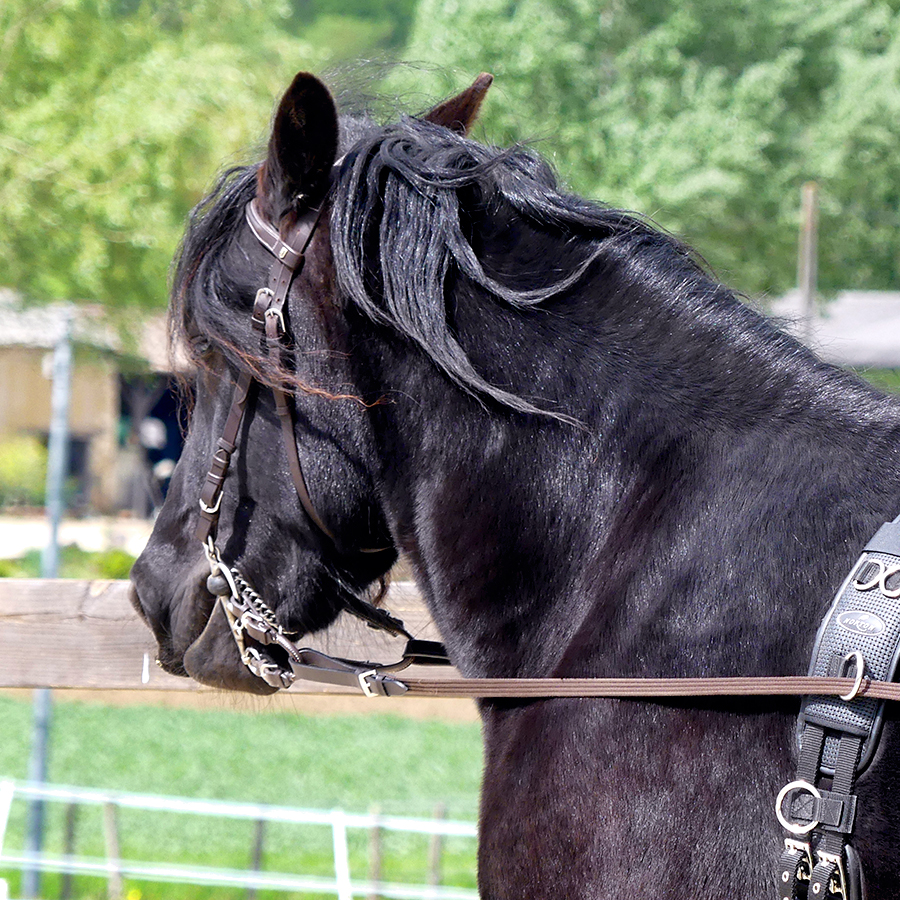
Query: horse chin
point(213, 659)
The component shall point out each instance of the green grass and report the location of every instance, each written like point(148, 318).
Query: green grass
point(403, 767)
point(73, 563)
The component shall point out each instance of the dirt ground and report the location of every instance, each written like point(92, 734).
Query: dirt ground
point(21, 533)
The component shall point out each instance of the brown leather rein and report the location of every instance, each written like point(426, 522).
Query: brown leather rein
point(249, 617)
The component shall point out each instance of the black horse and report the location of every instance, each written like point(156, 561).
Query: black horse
point(597, 459)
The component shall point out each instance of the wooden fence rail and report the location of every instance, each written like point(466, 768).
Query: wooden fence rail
point(64, 633)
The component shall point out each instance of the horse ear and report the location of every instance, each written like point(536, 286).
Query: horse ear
point(302, 148)
point(459, 113)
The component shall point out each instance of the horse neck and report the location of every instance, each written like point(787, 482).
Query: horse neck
point(714, 456)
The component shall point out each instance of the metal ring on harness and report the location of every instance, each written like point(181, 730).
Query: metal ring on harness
point(857, 657)
point(793, 827)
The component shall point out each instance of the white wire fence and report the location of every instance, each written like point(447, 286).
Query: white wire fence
point(342, 884)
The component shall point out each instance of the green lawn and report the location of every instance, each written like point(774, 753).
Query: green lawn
point(403, 767)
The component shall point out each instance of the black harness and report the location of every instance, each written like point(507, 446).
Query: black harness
point(838, 736)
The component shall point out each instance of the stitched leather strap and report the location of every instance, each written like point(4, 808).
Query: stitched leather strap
point(211, 493)
point(646, 688)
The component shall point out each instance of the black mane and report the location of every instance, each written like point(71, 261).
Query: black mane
point(204, 290)
point(411, 192)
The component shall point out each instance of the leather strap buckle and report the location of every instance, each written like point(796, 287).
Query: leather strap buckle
point(829, 877)
point(363, 679)
point(261, 303)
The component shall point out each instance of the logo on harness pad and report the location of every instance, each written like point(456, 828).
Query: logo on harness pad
point(860, 622)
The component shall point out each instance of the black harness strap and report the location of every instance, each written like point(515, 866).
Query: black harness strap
point(859, 636)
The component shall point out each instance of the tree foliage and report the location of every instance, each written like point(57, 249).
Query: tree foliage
point(114, 117)
point(705, 114)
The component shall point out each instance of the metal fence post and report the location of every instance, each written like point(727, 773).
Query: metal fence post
point(259, 836)
point(65, 890)
point(57, 463)
point(436, 849)
point(115, 886)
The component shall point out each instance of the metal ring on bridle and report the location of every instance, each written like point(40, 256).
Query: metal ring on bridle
point(793, 827)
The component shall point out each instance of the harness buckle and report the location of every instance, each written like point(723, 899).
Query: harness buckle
point(806, 863)
point(363, 679)
point(273, 312)
point(838, 881)
point(264, 297)
point(211, 510)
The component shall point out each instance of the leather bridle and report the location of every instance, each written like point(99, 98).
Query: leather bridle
point(244, 608)
point(268, 320)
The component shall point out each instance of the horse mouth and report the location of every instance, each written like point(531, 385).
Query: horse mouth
point(193, 636)
point(213, 658)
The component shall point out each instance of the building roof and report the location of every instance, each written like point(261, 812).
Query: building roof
point(857, 328)
point(41, 327)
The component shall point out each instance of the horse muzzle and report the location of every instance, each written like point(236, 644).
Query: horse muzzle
point(192, 633)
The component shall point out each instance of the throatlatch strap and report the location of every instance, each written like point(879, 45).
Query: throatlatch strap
point(274, 341)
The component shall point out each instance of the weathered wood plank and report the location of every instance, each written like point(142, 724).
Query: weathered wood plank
point(85, 635)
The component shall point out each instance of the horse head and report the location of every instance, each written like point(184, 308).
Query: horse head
point(310, 553)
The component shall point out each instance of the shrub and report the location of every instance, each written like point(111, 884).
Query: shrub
point(73, 563)
point(23, 471)
point(114, 563)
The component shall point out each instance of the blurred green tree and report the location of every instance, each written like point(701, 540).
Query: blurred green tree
point(115, 116)
point(705, 114)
